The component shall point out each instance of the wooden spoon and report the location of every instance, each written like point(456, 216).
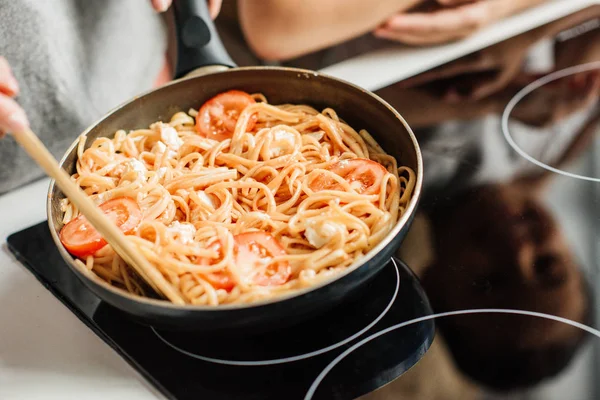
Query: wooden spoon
point(109, 231)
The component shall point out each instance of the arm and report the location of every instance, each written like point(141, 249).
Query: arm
point(283, 29)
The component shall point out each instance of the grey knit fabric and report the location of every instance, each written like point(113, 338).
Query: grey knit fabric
point(74, 60)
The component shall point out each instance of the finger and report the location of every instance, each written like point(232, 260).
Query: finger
point(12, 116)
point(593, 79)
point(490, 87)
point(525, 78)
point(452, 95)
point(596, 83)
point(590, 93)
point(576, 85)
point(8, 83)
point(161, 5)
point(486, 89)
point(579, 80)
point(469, 17)
point(450, 3)
point(214, 8)
point(428, 40)
point(421, 39)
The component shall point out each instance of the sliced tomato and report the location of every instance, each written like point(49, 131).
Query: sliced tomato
point(219, 279)
point(81, 239)
point(363, 175)
point(252, 253)
point(217, 117)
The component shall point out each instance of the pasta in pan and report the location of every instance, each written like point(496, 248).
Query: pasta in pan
point(239, 201)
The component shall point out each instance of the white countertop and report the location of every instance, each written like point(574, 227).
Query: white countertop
point(47, 353)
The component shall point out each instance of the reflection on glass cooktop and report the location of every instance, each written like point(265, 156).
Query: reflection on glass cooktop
point(509, 217)
point(505, 244)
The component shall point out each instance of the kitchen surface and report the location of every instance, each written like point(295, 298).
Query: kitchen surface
point(492, 295)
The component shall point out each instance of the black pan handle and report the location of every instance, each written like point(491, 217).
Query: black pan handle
point(198, 43)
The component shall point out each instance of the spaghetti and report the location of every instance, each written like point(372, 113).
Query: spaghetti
point(244, 202)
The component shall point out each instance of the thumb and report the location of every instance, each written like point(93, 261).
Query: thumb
point(214, 7)
point(161, 5)
point(496, 84)
point(450, 3)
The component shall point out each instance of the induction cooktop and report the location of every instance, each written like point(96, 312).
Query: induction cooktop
point(505, 244)
point(283, 363)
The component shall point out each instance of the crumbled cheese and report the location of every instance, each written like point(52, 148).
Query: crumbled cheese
point(137, 166)
point(284, 135)
point(264, 260)
point(64, 205)
point(356, 185)
point(342, 163)
point(317, 135)
point(206, 199)
point(282, 140)
point(170, 137)
point(161, 147)
point(260, 215)
point(101, 198)
point(161, 172)
point(319, 233)
point(307, 274)
point(183, 231)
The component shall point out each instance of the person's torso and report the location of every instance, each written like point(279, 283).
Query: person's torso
point(74, 60)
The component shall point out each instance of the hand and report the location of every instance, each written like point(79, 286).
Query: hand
point(456, 20)
point(439, 26)
point(12, 116)
point(581, 49)
point(214, 6)
point(557, 100)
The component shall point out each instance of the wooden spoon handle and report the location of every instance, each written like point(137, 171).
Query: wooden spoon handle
point(109, 231)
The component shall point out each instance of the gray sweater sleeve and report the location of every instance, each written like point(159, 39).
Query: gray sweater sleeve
point(74, 60)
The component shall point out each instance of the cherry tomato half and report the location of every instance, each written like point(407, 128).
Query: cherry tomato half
point(219, 279)
point(252, 253)
point(81, 239)
point(363, 175)
point(217, 117)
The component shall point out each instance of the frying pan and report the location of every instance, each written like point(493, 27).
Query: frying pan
point(205, 69)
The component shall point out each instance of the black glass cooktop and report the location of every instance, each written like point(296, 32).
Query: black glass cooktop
point(285, 362)
point(506, 244)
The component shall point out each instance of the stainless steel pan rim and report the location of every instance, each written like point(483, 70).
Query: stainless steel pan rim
point(308, 74)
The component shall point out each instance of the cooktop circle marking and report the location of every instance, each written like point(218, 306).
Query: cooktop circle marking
point(292, 358)
point(527, 90)
point(332, 364)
